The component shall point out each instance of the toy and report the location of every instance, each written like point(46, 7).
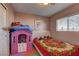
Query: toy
point(20, 39)
point(16, 24)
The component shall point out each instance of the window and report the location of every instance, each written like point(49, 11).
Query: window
point(70, 23)
point(62, 24)
point(29, 38)
point(74, 23)
point(22, 38)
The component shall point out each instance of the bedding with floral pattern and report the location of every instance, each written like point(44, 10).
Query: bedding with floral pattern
point(56, 47)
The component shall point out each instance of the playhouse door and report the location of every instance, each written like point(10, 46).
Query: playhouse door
point(22, 44)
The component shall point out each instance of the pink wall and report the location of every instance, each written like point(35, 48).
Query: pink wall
point(71, 37)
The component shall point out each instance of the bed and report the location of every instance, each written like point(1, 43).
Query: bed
point(52, 47)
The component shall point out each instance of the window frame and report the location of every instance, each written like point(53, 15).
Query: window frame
point(67, 23)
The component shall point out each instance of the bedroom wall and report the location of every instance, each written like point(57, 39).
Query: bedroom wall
point(71, 37)
point(30, 19)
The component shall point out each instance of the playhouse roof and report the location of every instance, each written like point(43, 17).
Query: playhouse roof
point(22, 27)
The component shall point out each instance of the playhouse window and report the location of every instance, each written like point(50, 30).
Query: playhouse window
point(29, 38)
point(22, 38)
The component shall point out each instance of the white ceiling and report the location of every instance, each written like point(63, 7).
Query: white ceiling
point(39, 9)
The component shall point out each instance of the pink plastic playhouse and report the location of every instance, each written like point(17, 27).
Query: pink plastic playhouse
point(20, 39)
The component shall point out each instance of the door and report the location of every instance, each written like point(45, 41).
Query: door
point(22, 44)
point(2, 16)
point(4, 38)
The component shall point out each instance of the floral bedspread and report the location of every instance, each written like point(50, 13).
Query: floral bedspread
point(56, 47)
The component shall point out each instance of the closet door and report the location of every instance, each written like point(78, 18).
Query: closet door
point(2, 16)
point(3, 34)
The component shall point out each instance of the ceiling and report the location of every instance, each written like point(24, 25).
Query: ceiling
point(38, 9)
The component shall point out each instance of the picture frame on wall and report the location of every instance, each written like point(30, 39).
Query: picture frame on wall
point(38, 25)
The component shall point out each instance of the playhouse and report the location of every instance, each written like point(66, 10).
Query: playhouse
point(20, 39)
